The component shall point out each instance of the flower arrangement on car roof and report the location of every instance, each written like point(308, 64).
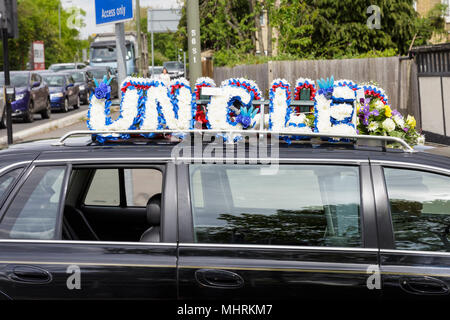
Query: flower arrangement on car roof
point(149, 104)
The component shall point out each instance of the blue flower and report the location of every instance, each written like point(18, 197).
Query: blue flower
point(102, 91)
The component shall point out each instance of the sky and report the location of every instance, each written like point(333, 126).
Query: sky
point(89, 7)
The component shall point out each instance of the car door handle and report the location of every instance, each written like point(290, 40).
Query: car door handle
point(424, 285)
point(219, 278)
point(30, 274)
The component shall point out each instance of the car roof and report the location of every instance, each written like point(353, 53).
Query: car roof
point(66, 64)
point(79, 148)
point(54, 73)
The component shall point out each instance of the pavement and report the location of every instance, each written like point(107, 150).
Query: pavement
point(55, 127)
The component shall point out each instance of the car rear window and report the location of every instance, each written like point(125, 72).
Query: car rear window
point(303, 205)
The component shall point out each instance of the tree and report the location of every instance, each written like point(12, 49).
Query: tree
point(38, 20)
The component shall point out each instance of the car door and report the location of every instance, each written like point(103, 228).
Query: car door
point(413, 214)
point(304, 230)
point(36, 263)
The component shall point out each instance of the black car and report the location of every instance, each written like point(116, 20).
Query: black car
point(63, 90)
point(129, 219)
point(32, 95)
point(84, 79)
point(100, 72)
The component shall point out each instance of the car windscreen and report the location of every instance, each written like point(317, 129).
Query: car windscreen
point(54, 80)
point(78, 76)
point(17, 79)
point(61, 67)
point(107, 54)
point(172, 66)
point(99, 73)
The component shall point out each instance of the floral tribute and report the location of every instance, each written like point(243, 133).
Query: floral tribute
point(281, 116)
point(200, 114)
point(375, 117)
point(231, 109)
point(149, 104)
point(334, 108)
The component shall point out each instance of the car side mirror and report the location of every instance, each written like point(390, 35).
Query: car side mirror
point(36, 84)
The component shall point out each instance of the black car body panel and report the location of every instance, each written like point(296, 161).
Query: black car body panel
point(180, 267)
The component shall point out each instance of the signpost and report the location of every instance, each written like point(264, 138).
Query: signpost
point(161, 21)
point(38, 55)
point(9, 29)
point(116, 12)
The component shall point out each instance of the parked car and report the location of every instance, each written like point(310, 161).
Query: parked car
point(63, 91)
point(130, 222)
point(157, 70)
point(66, 66)
point(32, 95)
point(99, 72)
point(84, 79)
point(174, 68)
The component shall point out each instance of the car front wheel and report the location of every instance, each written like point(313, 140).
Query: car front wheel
point(46, 113)
point(28, 116)
point(66, 105)
point(77, 105)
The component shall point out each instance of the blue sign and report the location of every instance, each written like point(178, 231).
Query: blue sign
point(113, 11)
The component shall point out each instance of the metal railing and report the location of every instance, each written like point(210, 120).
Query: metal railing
point(383, 140)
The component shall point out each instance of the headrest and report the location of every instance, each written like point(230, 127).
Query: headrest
point(154, 210)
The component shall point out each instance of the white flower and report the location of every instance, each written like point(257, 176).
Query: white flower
point(399, 121)
point(379, 105)
point(343, 92)
point(388, 125)
point(341, 112)
point(373, 125)
point(421, 140)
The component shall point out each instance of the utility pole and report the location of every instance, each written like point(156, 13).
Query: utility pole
point(120, 49)
point(193, 25)
point(59, 19)
point(139, 43)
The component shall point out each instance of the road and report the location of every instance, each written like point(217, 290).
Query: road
point(18, 125)
point(59, 124)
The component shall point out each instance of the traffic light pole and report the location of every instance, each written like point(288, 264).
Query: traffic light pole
point(7, 84)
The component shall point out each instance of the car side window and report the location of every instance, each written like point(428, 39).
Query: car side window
point(140, 185)
point(420, 209)
point(104, 189)
point(33, 213)
point(304, 205)
point(7, 179)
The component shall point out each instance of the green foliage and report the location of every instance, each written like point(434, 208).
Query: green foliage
point(313, 29)
point(38, 20)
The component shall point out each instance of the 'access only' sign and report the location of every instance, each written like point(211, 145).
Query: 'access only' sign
point(113, 11)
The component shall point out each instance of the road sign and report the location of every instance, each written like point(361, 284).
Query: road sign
point(113, 11)
point(38, 55)
point(163, 20)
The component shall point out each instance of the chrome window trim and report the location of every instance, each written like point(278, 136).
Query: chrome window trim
point(262, 246)
point(415, 252)
point(278, 160)
point(409, 165)
point(11, 166)
point(88, 242)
